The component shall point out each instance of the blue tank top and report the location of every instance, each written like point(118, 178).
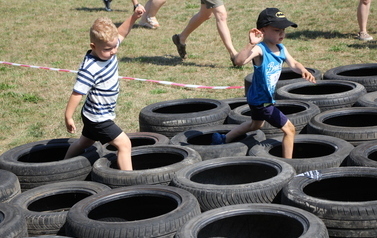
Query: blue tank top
point(265, 76)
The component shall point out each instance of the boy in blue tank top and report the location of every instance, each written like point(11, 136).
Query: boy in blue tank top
point(268, 54)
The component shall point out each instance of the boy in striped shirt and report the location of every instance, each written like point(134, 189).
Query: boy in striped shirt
point(97, 78)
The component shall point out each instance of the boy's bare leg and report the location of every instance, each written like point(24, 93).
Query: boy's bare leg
point(200, 17)
point(78, 147)
point(243, 129)
point(222, 27)
point(123, 145)
point(288, 140)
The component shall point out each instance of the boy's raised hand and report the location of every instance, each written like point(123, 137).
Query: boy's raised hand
point(255, 36)
point(139, 11)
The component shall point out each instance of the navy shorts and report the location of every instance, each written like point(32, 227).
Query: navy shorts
point(100, 131)
point(270, 114)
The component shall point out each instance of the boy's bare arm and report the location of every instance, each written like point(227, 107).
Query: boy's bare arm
point(126, 26)
point(297, 67)
point(138, 6)
point(72, 104)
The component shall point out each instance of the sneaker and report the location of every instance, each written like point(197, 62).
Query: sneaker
point(218, 139)
point(180, 47)
point(364, 36)
point(107, 5)
point(151, 23)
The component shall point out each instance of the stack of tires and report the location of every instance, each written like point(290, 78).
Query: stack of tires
point(183, 186)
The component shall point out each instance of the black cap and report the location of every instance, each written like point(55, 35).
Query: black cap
point(275, 18)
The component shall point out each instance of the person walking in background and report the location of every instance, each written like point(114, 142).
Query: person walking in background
point(107, 5)
point(207, 8)
point(266, 51)
point(137, 7)
point(98, 79)
point(362, 18)
point(149, 20)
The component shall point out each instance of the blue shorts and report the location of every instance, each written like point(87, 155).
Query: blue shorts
point(212, 3)
point(270, 114)
point(100, 131)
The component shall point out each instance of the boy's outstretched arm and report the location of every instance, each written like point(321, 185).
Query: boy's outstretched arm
point(297, 67)
point(126, 26)
point(247, 54)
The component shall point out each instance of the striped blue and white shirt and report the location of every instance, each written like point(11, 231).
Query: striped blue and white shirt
point(98, 79)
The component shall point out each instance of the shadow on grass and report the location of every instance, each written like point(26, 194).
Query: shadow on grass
point(307, 34)
point(365, 45)
point(165, 60)
point(96, 9)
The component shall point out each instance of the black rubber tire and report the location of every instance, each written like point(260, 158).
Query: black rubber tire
point(341, 197)
point(12, 221)
point(235, 102)
point(287, 76)
point(151, 165)
point(42, 162)
point(234, 180)
point(364, 154)
point(133, 211)
point(367, 100)
point(254, 220)
point(298, 112)
point(200, 140)
point(140, 139)
point(49, 236)
point(46, 207)
point(174, 116)
point(354, 124)
point(365, 74)
point(9, 186)
point(310, 151)
point(326, 94)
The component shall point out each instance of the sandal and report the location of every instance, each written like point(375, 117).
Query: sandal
point(151, 23)
point(180, 47)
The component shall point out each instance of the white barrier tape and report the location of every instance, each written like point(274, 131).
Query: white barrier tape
point(121, 77)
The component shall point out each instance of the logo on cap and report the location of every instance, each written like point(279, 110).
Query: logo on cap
point(280, 15)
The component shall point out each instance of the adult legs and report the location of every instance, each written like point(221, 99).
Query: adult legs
point(200, 17)
point(123, 145)
point(151, 9)
point(78, 147)
point(362, 19)
point(221, 16)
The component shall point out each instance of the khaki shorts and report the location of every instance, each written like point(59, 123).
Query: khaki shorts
point(212, 3)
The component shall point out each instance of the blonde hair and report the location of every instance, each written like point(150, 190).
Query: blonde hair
point(104, 30)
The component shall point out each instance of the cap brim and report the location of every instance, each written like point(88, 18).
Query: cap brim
point(283, 24)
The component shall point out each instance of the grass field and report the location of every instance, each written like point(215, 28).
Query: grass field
point(55, 34)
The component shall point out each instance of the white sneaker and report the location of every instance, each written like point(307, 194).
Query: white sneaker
point(151, 23)
point(364, 36)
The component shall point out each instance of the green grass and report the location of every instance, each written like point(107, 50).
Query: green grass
point(55, 34)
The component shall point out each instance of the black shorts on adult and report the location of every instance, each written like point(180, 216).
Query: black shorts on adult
point(212, 3)
point(270, 114)
point(100, 131)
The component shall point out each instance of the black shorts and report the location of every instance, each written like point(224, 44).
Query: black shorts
point(270, 114)
point(100, 131)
